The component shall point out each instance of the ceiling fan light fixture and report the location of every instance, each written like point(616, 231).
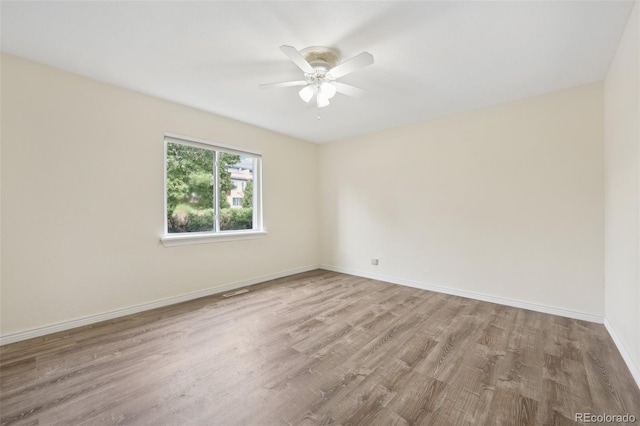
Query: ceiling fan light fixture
point(328, 89)
point(322, 100)
point(307, 92)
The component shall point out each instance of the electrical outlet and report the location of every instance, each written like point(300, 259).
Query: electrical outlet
point(374, 262)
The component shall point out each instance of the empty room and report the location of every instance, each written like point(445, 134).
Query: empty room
point(320, 213)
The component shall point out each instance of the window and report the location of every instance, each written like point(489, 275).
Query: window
point(201, 198)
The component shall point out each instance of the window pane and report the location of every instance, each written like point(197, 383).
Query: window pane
point(236, 192)
point(189, 189)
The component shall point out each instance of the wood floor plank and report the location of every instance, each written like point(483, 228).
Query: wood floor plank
point(420, 400)
point(319, 348)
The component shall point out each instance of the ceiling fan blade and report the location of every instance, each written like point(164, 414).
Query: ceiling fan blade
point(355, 63)
point(285, 84)
point(297, 58)
point(349, 90)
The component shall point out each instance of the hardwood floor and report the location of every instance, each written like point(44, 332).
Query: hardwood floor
point(319, 348)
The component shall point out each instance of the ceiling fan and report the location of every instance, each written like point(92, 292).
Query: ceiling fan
point(322, 67)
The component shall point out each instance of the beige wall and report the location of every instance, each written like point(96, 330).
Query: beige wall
point(82, 200)
point(505, 201)
point(622, 189)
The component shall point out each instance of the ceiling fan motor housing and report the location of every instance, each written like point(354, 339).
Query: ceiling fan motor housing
point(322, 59)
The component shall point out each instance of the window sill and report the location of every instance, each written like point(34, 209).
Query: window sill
point(172, 240)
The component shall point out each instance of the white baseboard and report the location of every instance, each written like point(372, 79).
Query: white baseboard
point(92, 319)
point(633, 368)
point(471, 295)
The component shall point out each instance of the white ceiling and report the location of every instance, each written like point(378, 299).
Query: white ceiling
point(431, 58)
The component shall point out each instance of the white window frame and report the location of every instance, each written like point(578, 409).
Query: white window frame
point(187, 238)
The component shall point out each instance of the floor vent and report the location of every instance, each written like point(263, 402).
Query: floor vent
point(235, 293)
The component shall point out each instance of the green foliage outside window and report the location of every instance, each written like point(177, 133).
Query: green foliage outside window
point(247, 200)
